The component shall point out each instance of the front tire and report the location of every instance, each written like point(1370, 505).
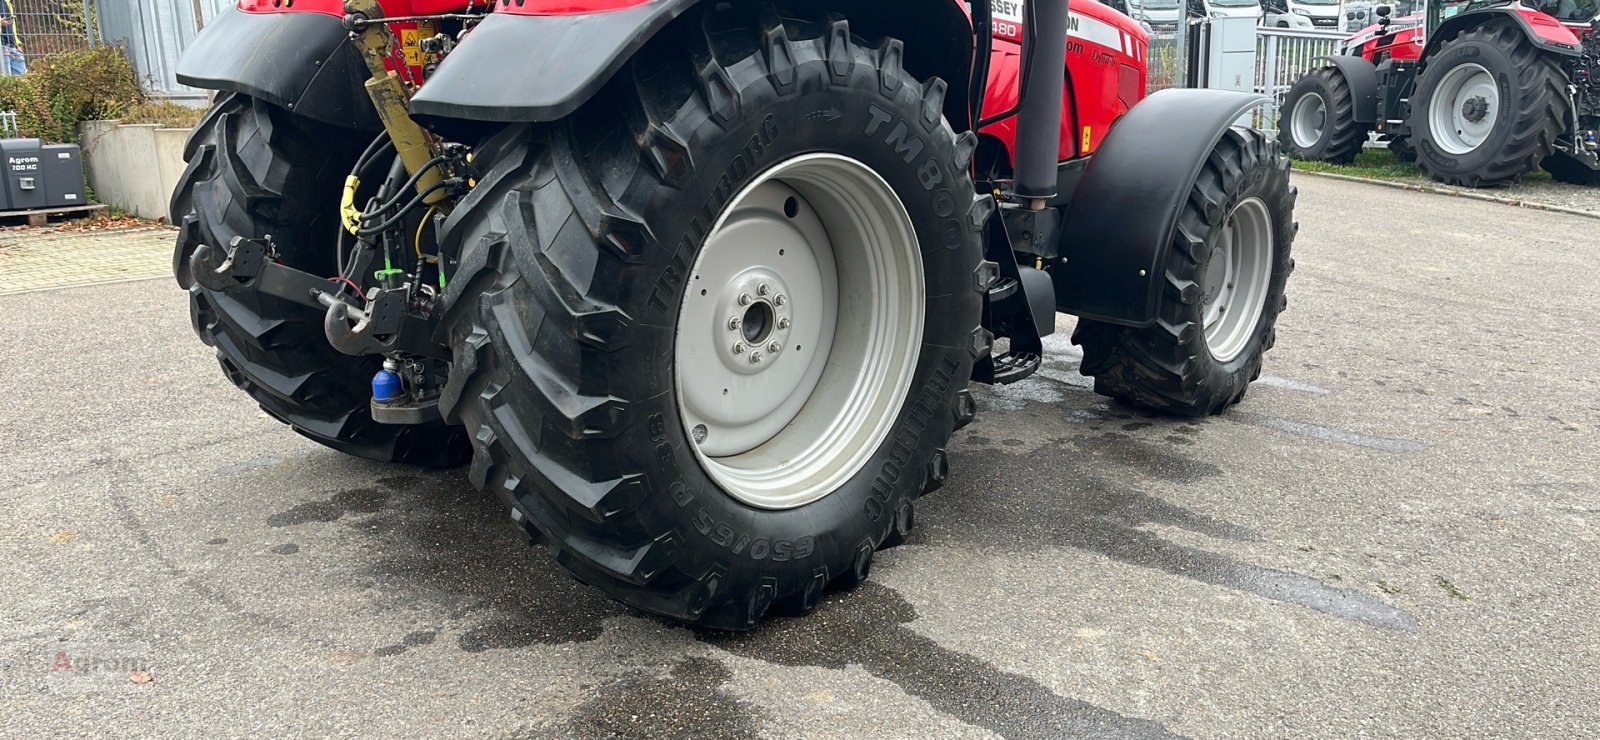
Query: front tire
point(257, 170)
point(1318, 122)
point(1224, 288)
point(1401, 147)
point(599, 250)
point(1488, 108)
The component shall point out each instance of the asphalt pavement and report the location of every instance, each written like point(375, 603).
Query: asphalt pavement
point(1394, 535)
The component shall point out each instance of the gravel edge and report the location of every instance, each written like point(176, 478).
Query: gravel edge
point(1458, 192)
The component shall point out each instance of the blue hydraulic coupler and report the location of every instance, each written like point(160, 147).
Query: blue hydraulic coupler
point(386, 386)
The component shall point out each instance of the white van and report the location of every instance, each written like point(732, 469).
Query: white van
point(1323, 14)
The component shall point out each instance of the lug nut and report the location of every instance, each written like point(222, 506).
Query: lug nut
point(745, 299)
point(774, 348)
point(781, 299)
point(764, 289)
point(699, 433)
point(783, 323)
point(733, 324)
point(738, 348)
point(755, 357)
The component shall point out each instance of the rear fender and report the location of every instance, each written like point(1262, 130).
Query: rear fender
point(301, 61)
point(1362, 77)
point(543, 60)
point(1545, 32)
point(1124, 212)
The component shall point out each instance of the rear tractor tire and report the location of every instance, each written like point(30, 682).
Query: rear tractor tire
point(1224, 288)
point(713, 332)
point(1318, 121)
point(257, 170)
point(1487, 108)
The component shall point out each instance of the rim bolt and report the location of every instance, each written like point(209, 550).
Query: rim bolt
point(764, 289)
point(734, 323)
point(755, 357)
point(738, 348)
point(774, 348)
point(781, 299)
point(745, 299)
point(699, 433)
point(783, 323)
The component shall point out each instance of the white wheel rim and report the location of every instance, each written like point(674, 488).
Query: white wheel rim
point(814, 240)
point(1464, 109)
point(1237, 278)
point(1307, 119)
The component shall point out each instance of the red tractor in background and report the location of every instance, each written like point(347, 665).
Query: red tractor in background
point(1479, 93)
point(697, 288)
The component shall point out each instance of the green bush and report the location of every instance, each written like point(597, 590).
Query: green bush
point(164, 113)
point(63, 89)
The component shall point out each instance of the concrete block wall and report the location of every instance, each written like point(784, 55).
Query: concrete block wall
point(133, 167)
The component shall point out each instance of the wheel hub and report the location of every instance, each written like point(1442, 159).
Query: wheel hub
point(1464, 109)
point(799, 331)
point(756, 314)
point(1306, 121)
point(1236, 280)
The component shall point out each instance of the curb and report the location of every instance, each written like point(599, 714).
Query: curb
point(1456, 192)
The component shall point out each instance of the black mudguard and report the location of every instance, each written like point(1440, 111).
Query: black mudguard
point(300, 61)
point(1362, 77)
point(1124, 212)
point(538, 67)
point(533, 68)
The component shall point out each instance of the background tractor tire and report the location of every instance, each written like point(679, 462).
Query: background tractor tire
point(579, 249)
point(1402, 149)
point(1564, 167)
point(256, 170)
point(1318, 120)
point(1454, 142)
point(1173, 365)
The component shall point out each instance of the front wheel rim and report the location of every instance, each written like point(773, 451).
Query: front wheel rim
point(1307, 120)
point(1238, 276)
point(799, 332)
point(1464, 109)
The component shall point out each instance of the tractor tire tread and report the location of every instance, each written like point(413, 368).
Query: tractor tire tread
point(254, 171)
point(1165, 367)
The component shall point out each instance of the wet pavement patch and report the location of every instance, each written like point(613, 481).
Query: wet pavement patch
point(1091, 514)
point(1327, 434)
point(867, 627)
point(687, 702)
point(415, 639)
point(1150, 459)
point(450, 551)
point(364, 500)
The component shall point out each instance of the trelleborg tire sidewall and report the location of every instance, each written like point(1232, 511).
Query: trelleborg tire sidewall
point(1503, 69)
point(889, 133)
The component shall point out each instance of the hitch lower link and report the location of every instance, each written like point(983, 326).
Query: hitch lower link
point(383, 326)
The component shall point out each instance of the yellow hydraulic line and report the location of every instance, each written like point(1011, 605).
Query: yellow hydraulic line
point(392, 101)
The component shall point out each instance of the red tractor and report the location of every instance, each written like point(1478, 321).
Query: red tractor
point(697, 288)
point(1479, 93)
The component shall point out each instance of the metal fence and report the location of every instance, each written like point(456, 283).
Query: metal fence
point(1282, 56)
point(1167, 62)
point(155, 34)
point(30, 29)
